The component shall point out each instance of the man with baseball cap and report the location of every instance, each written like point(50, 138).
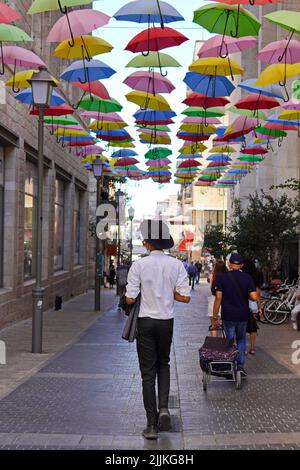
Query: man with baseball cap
point(234, 289)
point(160, 279)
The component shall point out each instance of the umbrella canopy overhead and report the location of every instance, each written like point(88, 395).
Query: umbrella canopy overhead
point(155, 39)
point(8, 14)
point(10, 33)
point(216, 66)
point(39, 6)
point(221, 46)
point(148, 100)
point(210, 85)
point(150, 82)
point(153, 59)
point(269, 90)
point(148, 11)
point(84, 46)
point(87, 71)
point(19, 56)
point(275, 51)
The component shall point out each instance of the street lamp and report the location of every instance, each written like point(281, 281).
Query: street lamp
point(42, 85)
point(131, 217)
point(98, 173)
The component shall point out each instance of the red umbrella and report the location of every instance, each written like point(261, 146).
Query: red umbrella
point(8, 14)
point(218, 164)
point(190, 162)
point(158, 122)
point(95, 88)
point(254, 151)
point(193, 138)
point(155, 39)
point(61, 110)
point(198, 99)
point(126, 162)
point(256, 101)
point(80, 143)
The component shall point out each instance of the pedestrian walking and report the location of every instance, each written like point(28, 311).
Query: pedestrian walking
point(160, 279)
point(233, 291)
point(199, 269)
point(255, 309)
point(295, 313)
point(185, 264)
point(219, 268)
point(112, 276)
point(192, 273)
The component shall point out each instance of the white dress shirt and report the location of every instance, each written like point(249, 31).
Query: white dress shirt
point(157, 277)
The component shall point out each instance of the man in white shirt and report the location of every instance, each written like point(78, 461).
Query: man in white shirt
point(160, 279)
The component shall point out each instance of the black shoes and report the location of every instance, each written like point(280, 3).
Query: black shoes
point(164, 419)
point(151, 432)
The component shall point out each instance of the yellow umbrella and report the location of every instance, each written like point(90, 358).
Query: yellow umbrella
point(71, 132)
point(85, 46)
point(259, 141)
point(127, 145)
point(194, 148)
point(156, 139)
point(160, 168)
point(290, 115)
point(148, 100)
point(92, 158)
point(198, 128)
point(222, 149)
point(106, 125)
point(277, 73)
point(216, 66)
point(20, 79)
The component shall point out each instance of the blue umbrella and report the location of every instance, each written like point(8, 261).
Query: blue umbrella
point(113, 133)
point(210, 85)
point(70, 138)
point(274, 118)
point(84, 72)
point(190, 155)
point(270, 90)
point(151, 115)
point(221, 130)
point(219, 157)
point(148, 11)
point(26, 97)
point(160, 173)
point(123, 153)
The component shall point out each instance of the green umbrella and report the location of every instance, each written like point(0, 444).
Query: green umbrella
point(202, 112)
point(10, 33)
point(154, 128)
point(289, 20)
point(250, 158)
point(227, 20)
point(99, 105)
point(153, 59)
point(39, 6)
point(247, 112)
point(271, 132)
point(62, 120)
point(157, 153)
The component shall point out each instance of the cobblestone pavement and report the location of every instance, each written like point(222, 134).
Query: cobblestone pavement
point(89, 396)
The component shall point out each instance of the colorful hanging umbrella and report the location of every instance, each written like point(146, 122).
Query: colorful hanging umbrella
point(150, 82)
point(85, 71)
point(246, 112)
point(84, 47)
point(287, 19)
point(278, 73)
point(106, 125)
point(194, 148)
point(155, 39)
point(112, 117)
point(216, 66)
point(26, 97)
point(99, 105)
point(200, 120)
point(158, 163)
point(222, 46)
point(126, 161)
point(222, 149)
point(18, 56)
point(198, 128)
point(148, 100)
point(189, 163)
point(10, 33)
point(250, 2)
point(210, 85)
point(8, 14)
point(228, 20)
point(94, 88)
point(198, 99)
point(158, 153)
point(276, 51)
point(77, 23)
point(39, 6)
point(148, 11)
point(195, 111)
point(123, 153)
point(269, 90)
point(254, 151)
point(58, 114)
point(153, 116)
point(256, 101)
point(153, 60)
point(20, 80)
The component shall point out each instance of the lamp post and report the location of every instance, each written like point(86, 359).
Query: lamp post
point(98, 173)
point(131, 217)
point(42, 85)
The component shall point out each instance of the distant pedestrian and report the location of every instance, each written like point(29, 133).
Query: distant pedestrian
point(219, 268)
point(199, 269)
point(233, 291)
point(192, 273)
point(112, 276)
point(185, 264)
point(160, 279)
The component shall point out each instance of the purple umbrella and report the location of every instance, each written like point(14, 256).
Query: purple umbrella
point(158, 163)
point(277, 50)
point(150, 82)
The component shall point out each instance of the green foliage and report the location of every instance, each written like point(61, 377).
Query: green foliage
point(264, 228)
point(217, 241)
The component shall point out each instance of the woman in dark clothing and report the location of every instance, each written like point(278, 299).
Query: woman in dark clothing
point(112, 276)
point(220, 267)
point(254, 307)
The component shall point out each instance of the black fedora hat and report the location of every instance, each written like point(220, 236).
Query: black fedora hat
point(157, 233)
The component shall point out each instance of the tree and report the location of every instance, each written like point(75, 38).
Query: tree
point(264, 228)
point(217, 242)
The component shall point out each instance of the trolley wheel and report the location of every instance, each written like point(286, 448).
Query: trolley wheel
point(238, 379)
point(205, 381)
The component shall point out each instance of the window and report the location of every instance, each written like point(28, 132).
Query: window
point(1, 218)
point(76, 227)
point(30, 220)
point(59, 215)
point(213, 218)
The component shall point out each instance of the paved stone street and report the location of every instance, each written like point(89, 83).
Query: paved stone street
point(89, 395)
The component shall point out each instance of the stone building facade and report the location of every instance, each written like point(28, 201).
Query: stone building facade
point(65, 217)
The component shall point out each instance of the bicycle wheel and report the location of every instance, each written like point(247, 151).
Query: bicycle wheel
point(264, 303)
point(274, 313)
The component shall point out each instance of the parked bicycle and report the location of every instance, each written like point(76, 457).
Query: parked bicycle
point(278, 309)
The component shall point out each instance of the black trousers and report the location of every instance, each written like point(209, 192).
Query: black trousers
point(154, 341)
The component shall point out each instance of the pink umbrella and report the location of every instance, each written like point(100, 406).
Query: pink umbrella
point(77, 23)
point(153, 132)
point(90, 150)
point(242, 123)
point(150, 82)
point(158, 163)
point(277, 50)
point(292, 105)
point(15, 55)
point(8, 14)
point(224, 45)
point(281, 127)
point(113, 117)
point(200, 120)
